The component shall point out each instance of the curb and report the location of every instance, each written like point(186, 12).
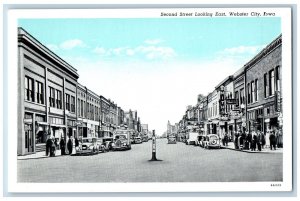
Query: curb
point(247, 151)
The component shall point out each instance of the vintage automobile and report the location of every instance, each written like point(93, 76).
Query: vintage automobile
point(211, 141)
point(121, 140)
point(199, 141)
point(172, 140)
point(137, 140)
point(101, 145)
point(88, 146)
point(107, 143)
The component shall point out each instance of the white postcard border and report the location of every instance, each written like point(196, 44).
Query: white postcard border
point(14, 186)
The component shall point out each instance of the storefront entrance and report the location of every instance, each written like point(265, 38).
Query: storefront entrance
point(29, 137)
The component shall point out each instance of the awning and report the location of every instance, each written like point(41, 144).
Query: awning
point(42, 123)
point(58, 125)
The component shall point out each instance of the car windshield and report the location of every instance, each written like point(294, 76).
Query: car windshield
point(87, 140)
point(121, 132)
point(122, 137)
point(213, 137)
point(107, 140)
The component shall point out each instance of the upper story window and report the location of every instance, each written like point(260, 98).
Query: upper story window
point(52, 97)
point(277, 74)
point(58, 99)
point(249, 93)
point(252, 92)
point(72, 104)
point(256, 90)
point(39, 92)
point(265, 85)
point(242, 96)
point(68, 102)
point(271, 82)
point(29, 89)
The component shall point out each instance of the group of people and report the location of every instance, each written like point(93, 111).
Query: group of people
point(256, 140)
point(52, 145)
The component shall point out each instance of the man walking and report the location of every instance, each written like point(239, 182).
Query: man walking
point(272, 139)
point(70, 145)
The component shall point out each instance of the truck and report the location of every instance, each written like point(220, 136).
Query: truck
point(121, 140)
point(191, 138)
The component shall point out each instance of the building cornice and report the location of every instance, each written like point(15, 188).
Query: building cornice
point(269, 48)
point(27, 39)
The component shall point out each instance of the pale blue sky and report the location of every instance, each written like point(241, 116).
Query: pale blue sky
point(154, 65)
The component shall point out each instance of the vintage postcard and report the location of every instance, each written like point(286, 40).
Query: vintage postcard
point(150, 100)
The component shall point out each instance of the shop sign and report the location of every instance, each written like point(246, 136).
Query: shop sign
point(277, 101)
point(224, 118)
point(222, 123)
point(234, 115)
point(222, 103)
point(231, 101)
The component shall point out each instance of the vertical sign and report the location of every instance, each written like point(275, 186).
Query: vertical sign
point(222, 101)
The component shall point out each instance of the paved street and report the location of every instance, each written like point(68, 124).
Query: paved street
point(181, 163)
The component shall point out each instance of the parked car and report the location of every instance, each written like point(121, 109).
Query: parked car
point(137, 140)
point(101, 145)
point(172, 140)
point(191, 138)
point(211, 141)
point(88, 146)
point(199, 140)
point(107, 143)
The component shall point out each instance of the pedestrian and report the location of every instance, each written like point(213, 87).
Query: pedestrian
point(263, 140)
point(70, 145)
point(248, 140)
point(53, 147)
point(243, 139)
point(48, 145)
point(279, 138)
point(56, 143)
point(254, 141)
point(259, 140)
point(226, 139)
point(272, 139)
point(62, 144)
point(236, 140)
point(76, 142)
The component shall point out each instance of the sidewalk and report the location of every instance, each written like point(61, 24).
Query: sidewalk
point(265, 150)
point(38, 155)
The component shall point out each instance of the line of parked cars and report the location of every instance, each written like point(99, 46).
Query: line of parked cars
point(205, 141)
point(121, 140)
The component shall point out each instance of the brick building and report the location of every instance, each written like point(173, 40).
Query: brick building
point(263, 87)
